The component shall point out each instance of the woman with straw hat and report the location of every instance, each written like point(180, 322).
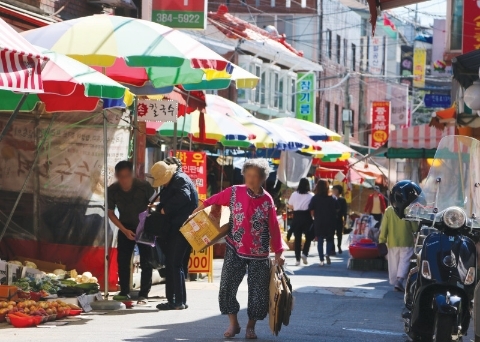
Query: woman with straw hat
point(178, 199)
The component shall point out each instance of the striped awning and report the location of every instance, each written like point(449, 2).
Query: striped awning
point(418, 137)
point(20, 62)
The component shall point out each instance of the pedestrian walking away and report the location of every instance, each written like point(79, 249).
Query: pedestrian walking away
point(376, 205)
point(178, 199)
point(130, 196)
point(324, 210)
point(253, 229)
point(302, 220)
point(341, 216)
point(398, 235)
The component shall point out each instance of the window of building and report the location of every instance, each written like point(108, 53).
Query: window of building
point(354, 57)
point(339, 49)
point(276, 89)
point(345, 52)
point(263, 84)
point(336, 118)
point(456, 25)
point(257, 73)
point(342, 124)
point(329, 44)
point(280, 94)
point(326, 117)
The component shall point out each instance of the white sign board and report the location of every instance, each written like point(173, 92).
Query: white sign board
point(159, 111)
point(375, 56)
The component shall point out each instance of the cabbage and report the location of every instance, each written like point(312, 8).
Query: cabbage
point(15, 262)
point(30, 264)
point(59, 272)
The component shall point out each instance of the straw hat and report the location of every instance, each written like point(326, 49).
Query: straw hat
point(162, 173)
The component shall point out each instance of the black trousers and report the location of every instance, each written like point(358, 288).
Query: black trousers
point(339, 233)
point(302, 220)
point(125, 249)
point(177, 256)
point(378, 218)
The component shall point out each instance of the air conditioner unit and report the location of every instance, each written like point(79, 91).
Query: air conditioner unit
point(114, 3)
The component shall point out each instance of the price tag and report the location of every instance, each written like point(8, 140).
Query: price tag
point(84, 304)
point(99, 296)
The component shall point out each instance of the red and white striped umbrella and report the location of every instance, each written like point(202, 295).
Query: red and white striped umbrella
point(20, 62)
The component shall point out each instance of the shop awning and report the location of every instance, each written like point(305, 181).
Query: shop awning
point(418, 137)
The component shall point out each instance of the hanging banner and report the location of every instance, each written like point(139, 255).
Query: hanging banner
point(158, 111)
point(437, 101)
point(380, 123)
point(419, 63)
point(194, 164)
point(375, 56)
point(180, 14)
point(397, 94)
point(471, 26)
point(305, 108)
point(406, 65)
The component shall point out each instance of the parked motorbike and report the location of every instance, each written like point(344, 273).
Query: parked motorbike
point(440, 289)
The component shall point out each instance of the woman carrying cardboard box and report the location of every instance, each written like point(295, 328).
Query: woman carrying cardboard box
point(253, 229)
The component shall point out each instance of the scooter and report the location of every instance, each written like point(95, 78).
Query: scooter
point(440, 289)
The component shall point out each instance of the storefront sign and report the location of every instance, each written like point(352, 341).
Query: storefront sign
point(380, 123)
point(187, 14)
point(375, 58)
point(202, 262)
point(406, 65)
point(305, 109)
point(397, 94)
point(194, 164)
point(419, 64)
point(159, 111)
point(471, 26)
point(437, 101)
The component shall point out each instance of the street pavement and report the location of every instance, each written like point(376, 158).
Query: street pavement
point(332, 304)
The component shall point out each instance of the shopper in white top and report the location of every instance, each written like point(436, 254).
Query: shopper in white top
point(302, 220)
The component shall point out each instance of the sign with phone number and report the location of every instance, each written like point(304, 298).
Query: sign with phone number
point(188, 14)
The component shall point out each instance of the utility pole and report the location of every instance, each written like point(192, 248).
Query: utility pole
point(347, 113)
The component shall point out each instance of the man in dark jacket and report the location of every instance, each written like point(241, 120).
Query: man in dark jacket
point(178, 199)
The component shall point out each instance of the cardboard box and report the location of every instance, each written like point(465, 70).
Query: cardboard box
point(8, 293)
point(45, 266)
point(207, 227)
point(14, 273)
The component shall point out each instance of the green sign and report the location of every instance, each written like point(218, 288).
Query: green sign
point(188, 14)
point(305, 107)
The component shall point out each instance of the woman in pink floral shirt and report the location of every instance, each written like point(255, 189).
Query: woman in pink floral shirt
point(253, 229)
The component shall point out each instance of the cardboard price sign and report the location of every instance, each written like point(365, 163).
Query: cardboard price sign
point(84, 303)
point(202, 262)
point(380, 123)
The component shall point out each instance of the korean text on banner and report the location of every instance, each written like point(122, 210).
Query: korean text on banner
point(194, 164)
point(419, 64)
point(375, 57)
point(380, 123)
point(305, 107)
point(471, 26)
point(202, 262)
point(159, 111)
point(186, 14)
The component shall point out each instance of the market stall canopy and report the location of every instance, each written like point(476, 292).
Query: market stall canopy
point(416, 141)
point(132, 51)
point(21, 62)
point(69, 86)
point(465, 68)
point(310, 129)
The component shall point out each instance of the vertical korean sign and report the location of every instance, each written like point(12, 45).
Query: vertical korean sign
point(380, 123)
point(194, 164)
point(419, 64)
point(471, 26)
point(305, 108)
point(375, 56)
point(186, 14)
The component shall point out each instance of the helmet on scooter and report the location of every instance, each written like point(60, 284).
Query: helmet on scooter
point(402, 195)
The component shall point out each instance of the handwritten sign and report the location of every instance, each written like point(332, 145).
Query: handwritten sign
point(202, 262)
point(84, 303)
point(158, 111)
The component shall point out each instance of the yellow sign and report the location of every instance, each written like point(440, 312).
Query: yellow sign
point(419, 65)
point(202, 262)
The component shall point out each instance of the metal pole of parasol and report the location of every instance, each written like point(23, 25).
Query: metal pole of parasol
point(105, 201)
point(37, 153)
point(223, 165)
point(183, 126)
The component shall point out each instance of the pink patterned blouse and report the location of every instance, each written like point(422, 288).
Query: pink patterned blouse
point(253, 222)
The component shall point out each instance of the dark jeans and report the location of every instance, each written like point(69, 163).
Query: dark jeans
point(298, 244)
point(377, 217)
point(339, 233)
point(125, 249)
point(330, 246)
point(177, 256)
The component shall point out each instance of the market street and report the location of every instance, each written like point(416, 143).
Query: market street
point(331, 304)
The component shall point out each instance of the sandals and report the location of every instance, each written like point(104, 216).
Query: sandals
point(250, 334)
point(142, 301)
point(230, 333)
point(168, 307)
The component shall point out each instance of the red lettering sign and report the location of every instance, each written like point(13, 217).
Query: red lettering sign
point(380, 123)
point(471, 26)
point(194, 164)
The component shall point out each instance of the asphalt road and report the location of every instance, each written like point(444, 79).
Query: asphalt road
point(332, 304)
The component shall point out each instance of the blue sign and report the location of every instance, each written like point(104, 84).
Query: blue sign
point(437, 101)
